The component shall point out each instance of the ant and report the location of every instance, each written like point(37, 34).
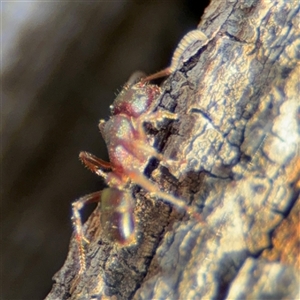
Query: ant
point(129, 150)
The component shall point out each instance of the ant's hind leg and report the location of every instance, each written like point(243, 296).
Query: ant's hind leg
point(76, 219)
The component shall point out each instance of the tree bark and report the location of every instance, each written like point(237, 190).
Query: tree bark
point(237, 136)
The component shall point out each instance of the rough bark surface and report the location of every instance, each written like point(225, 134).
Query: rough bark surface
point(238, 133)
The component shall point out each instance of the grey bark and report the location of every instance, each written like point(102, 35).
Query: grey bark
point(238, 140)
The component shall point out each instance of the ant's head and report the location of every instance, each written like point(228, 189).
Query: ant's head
point(134, 100)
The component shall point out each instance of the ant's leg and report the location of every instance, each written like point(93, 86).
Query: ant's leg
point(149, 151)
point(163, 73)
point(146, 184)
point(158, 116)
point(146, 148)
point(189, 39)
point(95, 164)
point(154, 190)
point(79, 236)
point(151, 117)
point(142, 151)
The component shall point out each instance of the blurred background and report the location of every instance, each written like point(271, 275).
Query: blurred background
point(62, 64)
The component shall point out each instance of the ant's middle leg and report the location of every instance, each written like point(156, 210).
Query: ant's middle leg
point(145, 148)
point(154, 190)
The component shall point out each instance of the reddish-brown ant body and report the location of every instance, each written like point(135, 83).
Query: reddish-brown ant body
point(129, 150)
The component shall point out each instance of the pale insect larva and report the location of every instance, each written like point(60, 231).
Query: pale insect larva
point(187, 41)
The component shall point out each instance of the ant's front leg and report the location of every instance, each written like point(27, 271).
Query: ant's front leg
point(158, 116)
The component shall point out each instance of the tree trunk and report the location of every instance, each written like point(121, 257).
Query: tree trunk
point(237, 136)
